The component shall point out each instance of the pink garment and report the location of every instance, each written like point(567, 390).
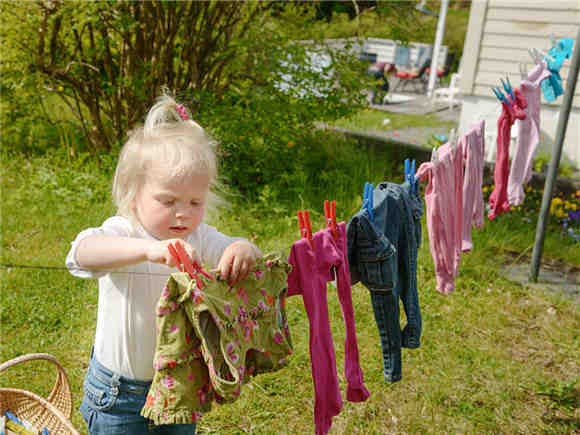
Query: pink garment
point(528, 134)
point(311, 271)
point(473, 148)
point(444, 201)
point(498, 200)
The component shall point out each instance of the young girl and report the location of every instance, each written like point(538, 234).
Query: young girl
point(161, 188)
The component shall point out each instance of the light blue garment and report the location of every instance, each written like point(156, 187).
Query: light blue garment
point(552, 86)
point(111, 405)
point(382, 254)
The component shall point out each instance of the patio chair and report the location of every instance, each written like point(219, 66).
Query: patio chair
point(448, 95)
point(446, 68)
point(415, 77)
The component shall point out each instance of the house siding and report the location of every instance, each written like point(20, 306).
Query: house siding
point(499, 35)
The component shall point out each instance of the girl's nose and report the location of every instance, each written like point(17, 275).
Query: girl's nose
point(182, 212)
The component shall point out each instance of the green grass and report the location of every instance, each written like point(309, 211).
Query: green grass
point(495, 357)
point(370, 119)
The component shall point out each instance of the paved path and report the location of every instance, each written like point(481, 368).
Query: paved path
point(417, 105)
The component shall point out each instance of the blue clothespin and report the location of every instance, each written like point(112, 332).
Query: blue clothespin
point(410, 173)
point(500, 96)
point(412, 177)
point(508, 87)
point(368, 199)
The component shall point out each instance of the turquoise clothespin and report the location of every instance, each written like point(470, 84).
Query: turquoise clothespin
point(508, 87)
point(500, 96)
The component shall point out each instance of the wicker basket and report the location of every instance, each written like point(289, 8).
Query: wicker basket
point(54, 412)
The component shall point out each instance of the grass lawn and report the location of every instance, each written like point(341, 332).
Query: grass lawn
point(370, 119)
point(495, 357)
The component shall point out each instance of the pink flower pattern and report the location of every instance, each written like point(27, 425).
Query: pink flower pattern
point(168, 382)
point(278, 337)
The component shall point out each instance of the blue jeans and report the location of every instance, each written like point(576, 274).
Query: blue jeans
point(383, 256)
point(112, 403)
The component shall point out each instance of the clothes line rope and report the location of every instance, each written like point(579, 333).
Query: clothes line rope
point(62, 268)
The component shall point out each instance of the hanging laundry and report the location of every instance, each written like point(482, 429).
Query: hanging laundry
point(313, 266)
point(511, 110)
point(444, 201)
point(473, 148)
point(552, 87)
point(382, 254)
point(528, 134)
point(210, 341)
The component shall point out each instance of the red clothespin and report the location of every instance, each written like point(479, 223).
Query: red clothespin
point(330, 215)
point(185, 264)
point(305, 229)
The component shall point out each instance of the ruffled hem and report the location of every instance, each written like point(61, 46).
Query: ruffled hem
point(182, 416)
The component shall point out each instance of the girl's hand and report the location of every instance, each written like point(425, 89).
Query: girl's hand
point(237, 261)
point(158, 252)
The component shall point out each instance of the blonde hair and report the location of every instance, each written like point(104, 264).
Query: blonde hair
point(171, 137)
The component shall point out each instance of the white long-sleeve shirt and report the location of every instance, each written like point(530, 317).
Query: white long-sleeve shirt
point(125, 337)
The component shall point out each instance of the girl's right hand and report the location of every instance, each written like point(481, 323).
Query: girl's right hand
point(158, 252)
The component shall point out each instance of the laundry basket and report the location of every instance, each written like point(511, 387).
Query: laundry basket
point(53, 412)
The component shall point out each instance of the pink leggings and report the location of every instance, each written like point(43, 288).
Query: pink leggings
point(312, 269)
point(444, 201)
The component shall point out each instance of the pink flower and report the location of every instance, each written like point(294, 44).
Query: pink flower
point(227, 309)
point(231, 351)
point(202, 393)
point(173, 328)
point(262, 305)
point(278, 338)
point(259, 274)
point(165, 292)
point(242, 294)
point(263, 291)
point(168, 382)
point(197, 297)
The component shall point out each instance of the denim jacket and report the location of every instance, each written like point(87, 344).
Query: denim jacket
point(382, 254)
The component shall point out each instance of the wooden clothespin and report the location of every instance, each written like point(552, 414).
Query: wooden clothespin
point(305, 229)
point(184, 264)
point(330, 216)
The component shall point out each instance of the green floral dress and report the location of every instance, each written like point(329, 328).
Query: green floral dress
point(210, 340)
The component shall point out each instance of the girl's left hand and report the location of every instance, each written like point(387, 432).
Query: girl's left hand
point(237, 261)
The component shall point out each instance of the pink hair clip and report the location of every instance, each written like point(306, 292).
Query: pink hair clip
point(181, 109)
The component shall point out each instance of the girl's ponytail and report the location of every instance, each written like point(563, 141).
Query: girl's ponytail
point(167, 113)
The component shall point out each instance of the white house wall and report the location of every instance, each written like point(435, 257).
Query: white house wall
point(499, 34)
